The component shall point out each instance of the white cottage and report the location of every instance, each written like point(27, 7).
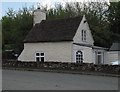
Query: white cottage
point(61, 40)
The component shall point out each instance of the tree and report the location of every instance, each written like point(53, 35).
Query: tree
point(15, 26)
point(114, 17)
point(114, 21)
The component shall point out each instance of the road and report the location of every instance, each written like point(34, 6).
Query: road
point(31, 80)
point(0, 78)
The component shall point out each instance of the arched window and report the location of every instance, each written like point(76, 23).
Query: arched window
point(79, 57)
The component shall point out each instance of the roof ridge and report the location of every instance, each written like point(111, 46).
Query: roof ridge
point(67, 18)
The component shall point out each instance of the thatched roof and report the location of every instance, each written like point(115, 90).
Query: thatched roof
point(54, 30)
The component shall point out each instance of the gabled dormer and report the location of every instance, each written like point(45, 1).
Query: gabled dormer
point(83, 34)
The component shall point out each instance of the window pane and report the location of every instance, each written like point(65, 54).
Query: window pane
point(84, 35)
point(37, 59)
point(99, 52)
point(82, 39)
point(42, 54)
point(42, 59)
point(79, 57)
point(84, 32)
point(37, 54)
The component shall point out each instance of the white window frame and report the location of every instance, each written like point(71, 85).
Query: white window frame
point(80, 58)
point(39, 56)
point(84, 35)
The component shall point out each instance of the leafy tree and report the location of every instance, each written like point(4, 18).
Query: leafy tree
point(114, 21)
point(114, 17)
point(15, 26)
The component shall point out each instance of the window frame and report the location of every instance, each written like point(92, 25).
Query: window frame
point(84, 35)
point(79, 57)
point(39, 56)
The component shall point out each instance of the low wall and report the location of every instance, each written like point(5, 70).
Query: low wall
point(84, 67)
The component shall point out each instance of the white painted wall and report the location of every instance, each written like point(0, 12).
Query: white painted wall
point(87, 53)
point(112, 56)
point(78, 35)
point(38, 16)
point(54, 51)
point(119, 55)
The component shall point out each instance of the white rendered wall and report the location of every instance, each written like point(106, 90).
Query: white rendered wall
point(78, 35)
point(112, 56)
point(87, 53)
point(54, 51)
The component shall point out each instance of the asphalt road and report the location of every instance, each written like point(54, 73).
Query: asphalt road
point(0, 79)
point(31, 80)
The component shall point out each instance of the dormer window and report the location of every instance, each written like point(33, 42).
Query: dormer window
point(83, 35)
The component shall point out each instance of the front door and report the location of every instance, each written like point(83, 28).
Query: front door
point(99, 57)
